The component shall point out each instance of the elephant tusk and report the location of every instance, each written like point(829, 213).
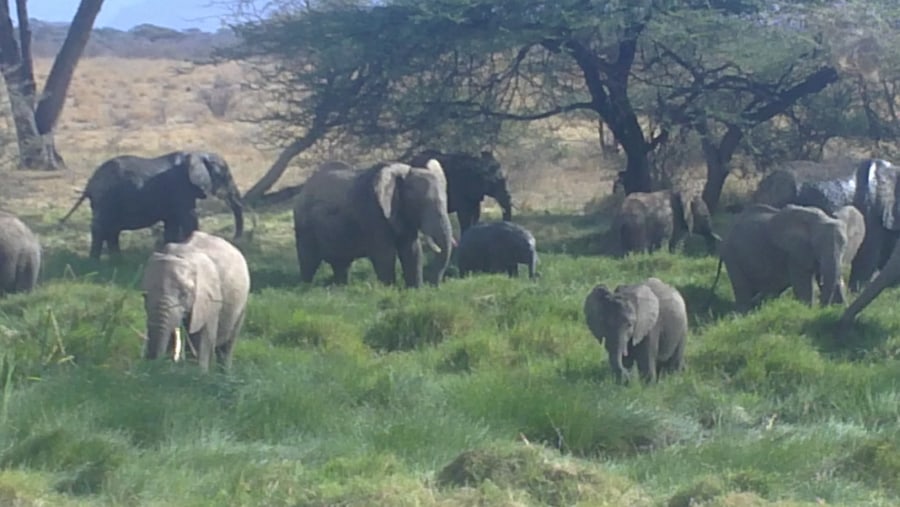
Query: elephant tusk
point(139, 334)
point(178, 345)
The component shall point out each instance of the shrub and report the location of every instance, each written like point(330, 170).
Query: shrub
point(411, 328)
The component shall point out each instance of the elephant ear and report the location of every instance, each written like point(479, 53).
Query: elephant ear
point(198, 173)
point(646, 307)
point(386, 189)
point(599, 296)
point(207, 292)
point(887, 190)
point(791, 229)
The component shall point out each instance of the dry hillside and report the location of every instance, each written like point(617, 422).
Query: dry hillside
point(150, 106)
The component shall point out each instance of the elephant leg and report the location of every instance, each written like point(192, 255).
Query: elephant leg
point(675, 363)
point(646, 360)
point(205, 346)
point(513, 271)
point(802, 282)
point(97, 239)
point(341, 272)
point(308, 257)
point(743, 290)
point(112, 243)
point(226, 349)
point(466, 217)
point(384, 261)
point(411, 262)
point(676, 238)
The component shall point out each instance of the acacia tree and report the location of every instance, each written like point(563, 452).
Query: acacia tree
point(35, 116)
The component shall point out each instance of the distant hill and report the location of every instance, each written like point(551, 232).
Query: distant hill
point(142, 41)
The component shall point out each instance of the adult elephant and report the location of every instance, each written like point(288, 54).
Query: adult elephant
point(469, 179)
point(129, 192)
point(342, 214)
point(646, 220)
point(889, 276)
point(876, 197)
point(768, 250)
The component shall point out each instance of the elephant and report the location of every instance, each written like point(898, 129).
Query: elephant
point(203, 283)
point(497, 247)
point(644, 322)
point(342, 214)
point(129, 192)
point(469, 179)
point(20, 255)
point(646, 219)
point(768, 250)
point(875, 196)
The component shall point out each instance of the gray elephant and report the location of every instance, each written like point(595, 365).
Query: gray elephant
point(768, 250)
point(497, 247)
point(203, 283)
point(129, 193)
point(646, 220)
point(20, 255)
point(342, 214)
point(645, 323)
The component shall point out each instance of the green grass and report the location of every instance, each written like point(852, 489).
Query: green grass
point(485, 391)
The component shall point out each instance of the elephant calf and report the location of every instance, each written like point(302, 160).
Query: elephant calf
point(203, 283)
point(20, 255)
point(646, 220)
point(497, 247)
point(644, 322)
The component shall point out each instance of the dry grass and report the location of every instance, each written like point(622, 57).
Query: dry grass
point(149, 107)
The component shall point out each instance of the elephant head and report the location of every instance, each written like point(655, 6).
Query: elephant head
point(415, 199)
point(691, 215)
point(815, 244)
point(777, 189)
point(210, 174)
point(497, 186)
point(621, 320)
point(178, 289)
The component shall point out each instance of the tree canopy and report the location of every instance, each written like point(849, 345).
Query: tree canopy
point(409, 73)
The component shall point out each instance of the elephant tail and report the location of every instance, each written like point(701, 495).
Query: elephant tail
point(712, 289)
point(84, 195)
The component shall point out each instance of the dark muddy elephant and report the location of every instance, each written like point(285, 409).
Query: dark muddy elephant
point(497, 247)
point(343, 214)
point(469, 179)
point(130, 192)
point(877, 185)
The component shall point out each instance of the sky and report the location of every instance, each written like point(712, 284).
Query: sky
point(125, 14)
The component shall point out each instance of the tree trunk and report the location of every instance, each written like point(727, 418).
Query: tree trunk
point(34, 124)
point(275, 172)
point(718, 159)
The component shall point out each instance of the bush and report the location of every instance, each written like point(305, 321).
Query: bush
point(411, 328)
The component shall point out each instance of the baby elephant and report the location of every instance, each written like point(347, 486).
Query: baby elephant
point(645, 322)
point(497, 247)
point(202, 283)
point(20, 255)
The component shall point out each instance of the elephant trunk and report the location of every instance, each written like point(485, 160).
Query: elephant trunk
point(233, 198)
point(615, 358)
point(438, 228)
point(501, 194)
point(832, 285)
point(162, 321)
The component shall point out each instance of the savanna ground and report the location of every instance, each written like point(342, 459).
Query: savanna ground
point(485, 391)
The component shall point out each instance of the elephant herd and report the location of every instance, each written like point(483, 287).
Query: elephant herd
point(341, 214)
point(386, 212)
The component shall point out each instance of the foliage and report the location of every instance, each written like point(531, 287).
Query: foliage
point(487, 390)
